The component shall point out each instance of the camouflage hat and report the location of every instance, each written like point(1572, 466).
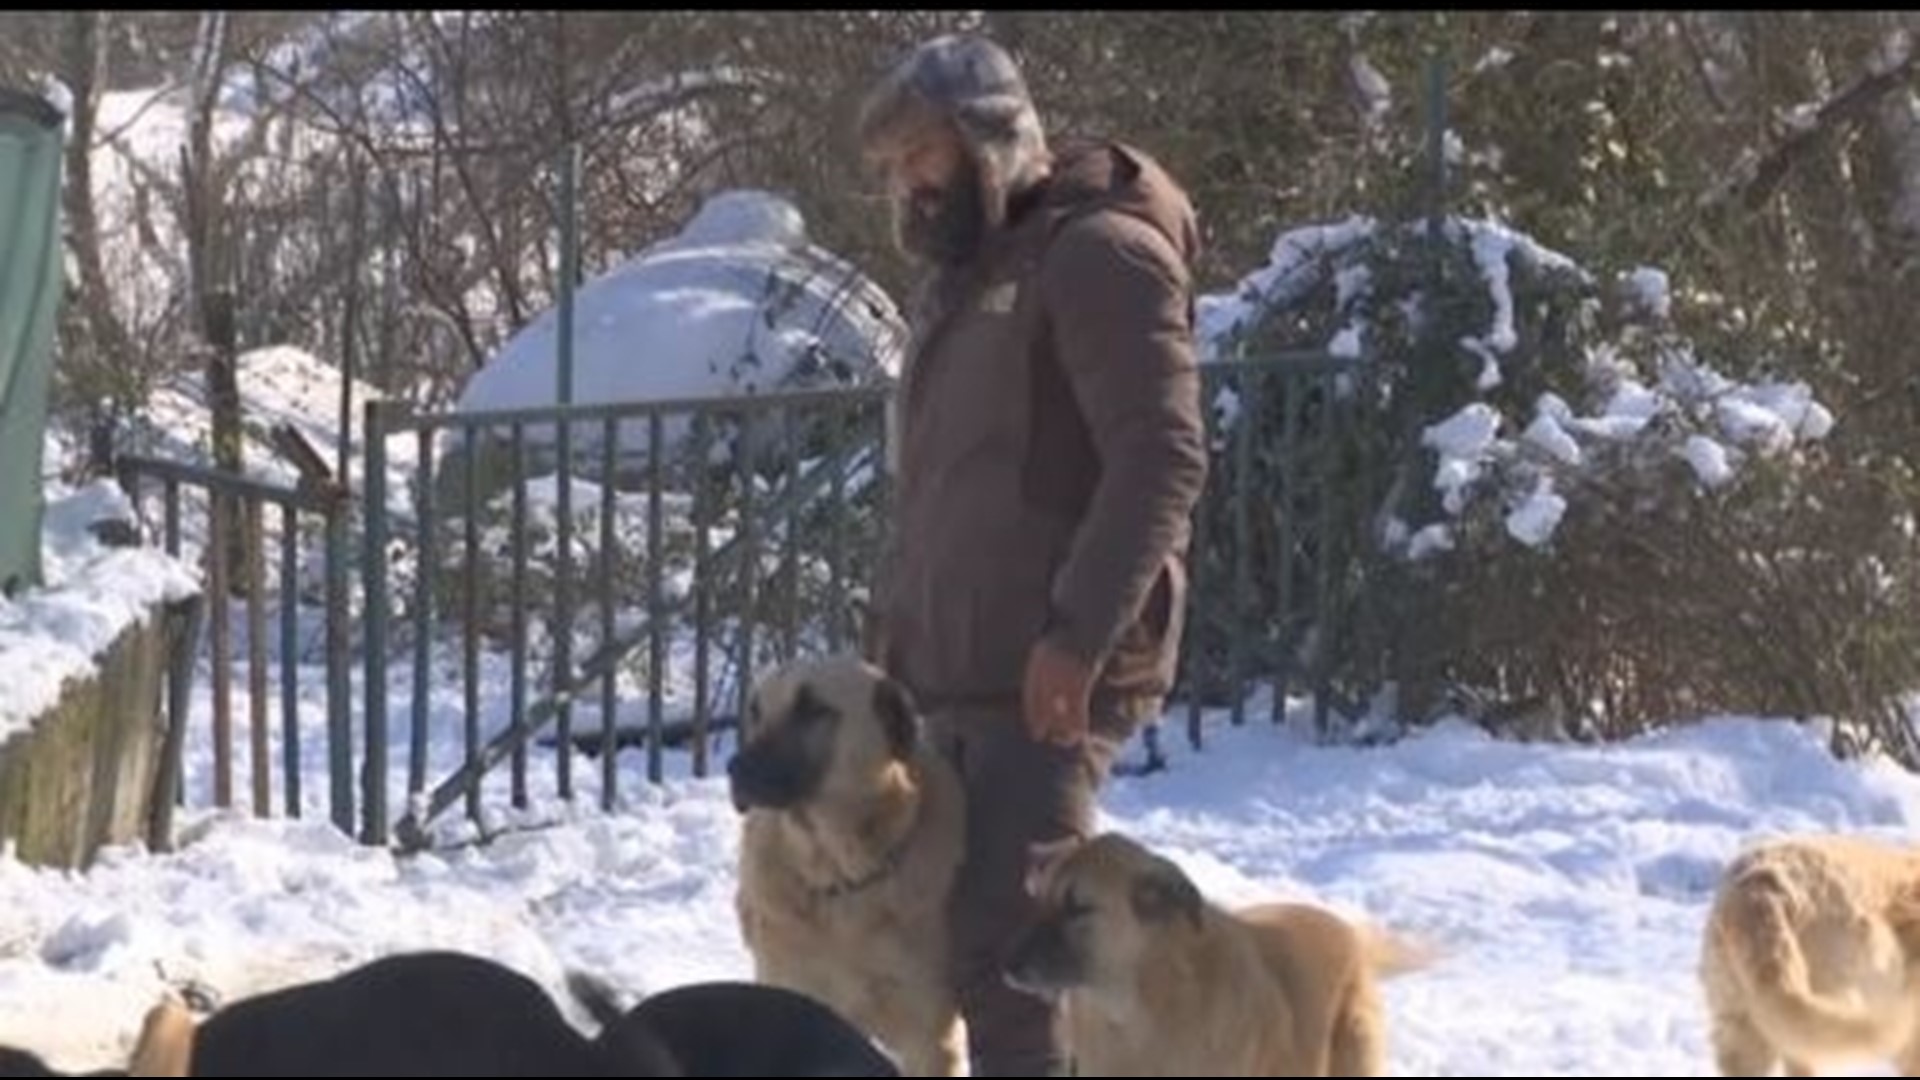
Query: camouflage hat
point(972, 82)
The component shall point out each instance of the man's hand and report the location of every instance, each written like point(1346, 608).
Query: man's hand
point(1058, 695)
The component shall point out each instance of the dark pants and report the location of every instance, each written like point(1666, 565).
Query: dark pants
point(1019, 793)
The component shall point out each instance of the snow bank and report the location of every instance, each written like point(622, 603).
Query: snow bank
point(92, 594)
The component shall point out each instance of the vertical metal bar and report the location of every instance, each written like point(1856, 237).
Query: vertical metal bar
point(339, 677)
point(1244, 611)
point(703, 589)
point(1324, 640)
point(290, 756)
point(837, 460)
point(747, 469)
point(562, 630)
point(179, 676)
point(171, 489)
point(1197, 661)
point(470, 611)
point(885, 451)
point(1287, 616)
point(373, 780)
point(790, 540)
point(563, 571)
point(1359, 525)
point(517, 677)
point(656, 600)
point(569, 268)
point(219, 629)
point(609, 696)
point(427, 569)
point(259, 745)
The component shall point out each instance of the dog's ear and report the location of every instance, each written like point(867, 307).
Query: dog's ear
point(1042, 857)
point(1164, 893)
point(899, 715)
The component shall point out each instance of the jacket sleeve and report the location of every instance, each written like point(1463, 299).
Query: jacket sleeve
point(1117, 298)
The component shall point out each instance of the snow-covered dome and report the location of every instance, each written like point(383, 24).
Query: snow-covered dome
point(738, 302)
point(735, 218)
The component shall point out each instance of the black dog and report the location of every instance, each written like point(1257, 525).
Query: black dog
point(412, 1014)
point(735, 1029)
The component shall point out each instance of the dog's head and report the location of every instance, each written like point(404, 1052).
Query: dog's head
point(1102, 904)
point(826, 730)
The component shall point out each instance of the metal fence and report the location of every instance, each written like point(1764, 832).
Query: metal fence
point(757, 518)
point(235, 513)
point(1282, 534)
point(623, 597)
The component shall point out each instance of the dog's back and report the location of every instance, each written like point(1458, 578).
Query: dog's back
point(1806, 955)
point(1329, 968)
point(734, 1028)
point(414, 1014)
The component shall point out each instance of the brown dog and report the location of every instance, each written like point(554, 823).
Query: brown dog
point(1808, 958)
point(854, 827)
point(1157, 981)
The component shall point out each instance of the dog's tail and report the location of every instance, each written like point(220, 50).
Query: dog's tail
point(597, 996)
point(1754, 925)
point(1393, 953)
point(165, 1047)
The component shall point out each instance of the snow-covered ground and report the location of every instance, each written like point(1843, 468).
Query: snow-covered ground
point(1567, 885)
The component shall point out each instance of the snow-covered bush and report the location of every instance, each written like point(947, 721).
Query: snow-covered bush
point(1540, 495)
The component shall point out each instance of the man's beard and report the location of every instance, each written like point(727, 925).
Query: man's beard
point(944, 226)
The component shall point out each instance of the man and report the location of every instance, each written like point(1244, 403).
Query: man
point(1049, 455)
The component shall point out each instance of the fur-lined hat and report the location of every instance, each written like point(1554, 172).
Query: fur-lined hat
point(972, 82)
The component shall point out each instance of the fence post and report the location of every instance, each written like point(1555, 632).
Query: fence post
point(339, 678)
point(373, 778)
point(563, 434)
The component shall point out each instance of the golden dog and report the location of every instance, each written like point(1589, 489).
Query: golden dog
point(1158, 981)
point(1808, 957)
point(854, 828)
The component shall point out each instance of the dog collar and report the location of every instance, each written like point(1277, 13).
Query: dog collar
point(889, 862)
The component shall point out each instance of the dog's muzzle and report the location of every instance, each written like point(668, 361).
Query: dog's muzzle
point(757, 778)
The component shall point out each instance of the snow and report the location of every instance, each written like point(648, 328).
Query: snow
point(91, 594)
point(1650, 292)
point(737, 303)
point(1640, 383)
point(1708, 460)
point(1534, 520)
point(1546, 433)
point(278, 385)
point(1566, 887)
point(1299, 261)
point(1460, 442)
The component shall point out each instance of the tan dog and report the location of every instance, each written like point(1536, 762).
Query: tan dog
point(1158, 981)
point(165, 1047)
point(1808, 958)
point(854, 827)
